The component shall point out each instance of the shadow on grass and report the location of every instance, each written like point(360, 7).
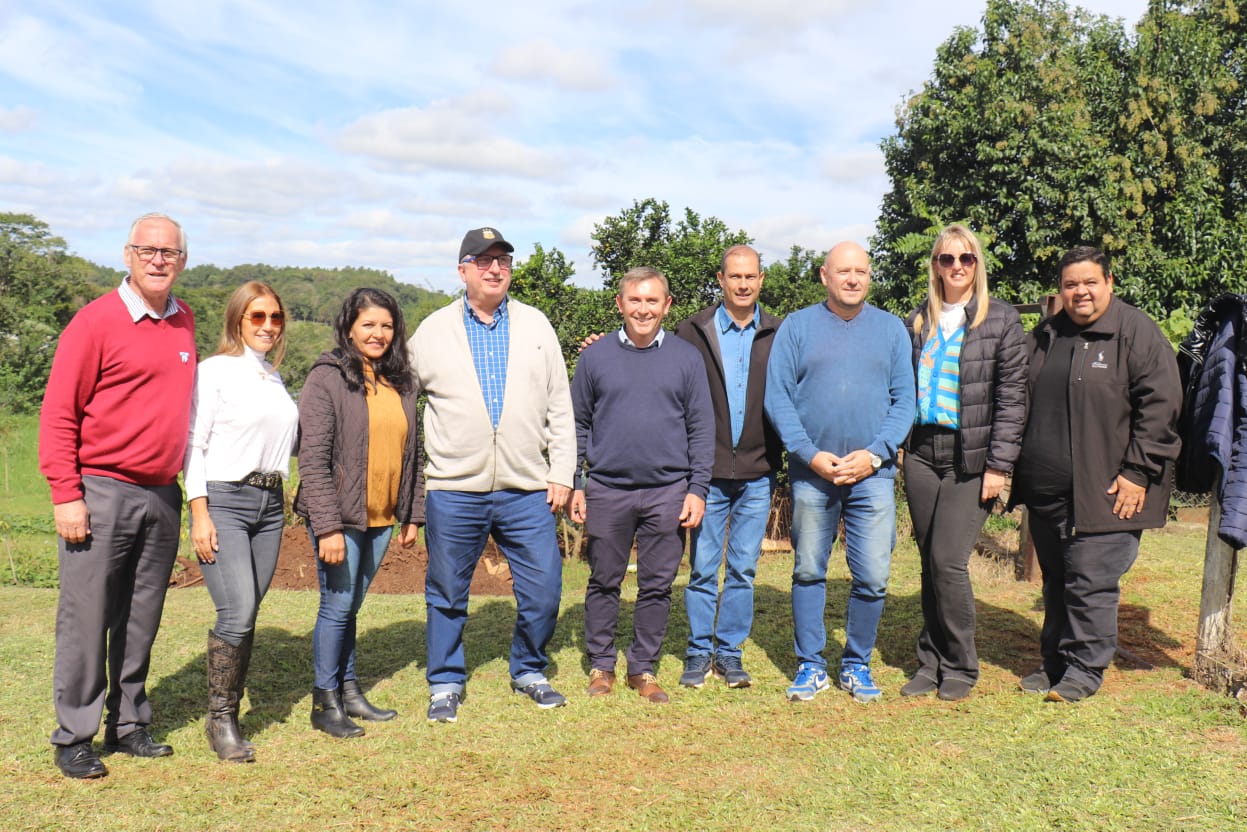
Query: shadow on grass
point(280, 675)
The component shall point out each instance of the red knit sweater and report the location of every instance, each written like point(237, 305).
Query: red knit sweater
point(118, 398)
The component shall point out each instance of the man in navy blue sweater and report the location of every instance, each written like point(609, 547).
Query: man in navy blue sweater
point(840, 391)
point(645, 430)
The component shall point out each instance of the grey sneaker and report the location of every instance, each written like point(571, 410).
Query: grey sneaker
point(696, 671)
point(729, 669)
point(444, 707)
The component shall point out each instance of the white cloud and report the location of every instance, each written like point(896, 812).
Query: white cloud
point(456, 135)
point(64, 62)
point(852, 167)
point(16, 120)
point(541, 60)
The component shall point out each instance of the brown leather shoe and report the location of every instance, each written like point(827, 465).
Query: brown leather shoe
point(601, 682)
point(646, 685)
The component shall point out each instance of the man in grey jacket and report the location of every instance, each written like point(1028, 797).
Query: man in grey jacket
point(491, 469)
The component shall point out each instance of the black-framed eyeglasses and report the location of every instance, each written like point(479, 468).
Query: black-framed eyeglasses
point(967, 259)
point(149, 252)
point(484, 261)
point(257, 318)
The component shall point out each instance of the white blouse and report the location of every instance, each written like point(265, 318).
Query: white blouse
point(242, 420)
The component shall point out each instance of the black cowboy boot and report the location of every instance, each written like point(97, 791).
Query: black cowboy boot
point(225, 669)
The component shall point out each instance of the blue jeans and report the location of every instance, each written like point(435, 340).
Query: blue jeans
point(869, 512)
point(342, 590)
point(459, 522)
point(248, 523)
point(736, 513)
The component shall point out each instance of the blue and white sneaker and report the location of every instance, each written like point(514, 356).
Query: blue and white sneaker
point(810, 680)
point(856, 679)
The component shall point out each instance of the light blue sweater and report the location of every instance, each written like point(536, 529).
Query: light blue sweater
point(840, 386)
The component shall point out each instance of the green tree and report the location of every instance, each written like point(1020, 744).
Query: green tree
point(41, 286)
point(792, 283)
point(688, 252)
point(543, 281)
point(1014, 135)
point(1183, 129)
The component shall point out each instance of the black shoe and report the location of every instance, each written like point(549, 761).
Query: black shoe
point(354, 703)
point(1069, 691)
point(919, 686)
point(138, 743)
point(79, 761)
point(954, 690)
point(1037, 682)
point(328, 716)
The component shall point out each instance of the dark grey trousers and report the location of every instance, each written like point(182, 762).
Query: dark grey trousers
point(615, 517)
point(947, 517)
point(112, 592)
point(1081, 590)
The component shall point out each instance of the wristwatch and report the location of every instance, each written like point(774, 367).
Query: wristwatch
point(876, 461)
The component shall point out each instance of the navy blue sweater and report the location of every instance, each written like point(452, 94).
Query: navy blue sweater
point(643, 417)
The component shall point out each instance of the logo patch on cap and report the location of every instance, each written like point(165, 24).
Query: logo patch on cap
point(487, 233)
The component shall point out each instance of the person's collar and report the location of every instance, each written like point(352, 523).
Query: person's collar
point(498, 314)
point(725, 322)
point(259, 358)
point(657, 342)
point(137, 307)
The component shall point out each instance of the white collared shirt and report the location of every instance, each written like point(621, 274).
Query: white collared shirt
point(137, 307)
point(242, 420)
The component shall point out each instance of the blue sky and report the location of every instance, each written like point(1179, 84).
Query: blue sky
point(374, 133)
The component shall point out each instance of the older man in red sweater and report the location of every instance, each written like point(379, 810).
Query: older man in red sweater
point(112, 436)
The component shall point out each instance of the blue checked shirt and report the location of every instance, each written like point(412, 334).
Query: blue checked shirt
point(490, 344)
point(735, 346)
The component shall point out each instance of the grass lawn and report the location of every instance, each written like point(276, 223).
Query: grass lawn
point(1152, 751)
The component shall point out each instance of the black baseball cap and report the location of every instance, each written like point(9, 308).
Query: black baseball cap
point(479, 240)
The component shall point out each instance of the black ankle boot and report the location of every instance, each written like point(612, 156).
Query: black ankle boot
point(354, 703)
point(226, 664)
point(327, 715)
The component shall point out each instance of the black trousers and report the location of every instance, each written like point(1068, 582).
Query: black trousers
point(947, 514)
point(1081, 590)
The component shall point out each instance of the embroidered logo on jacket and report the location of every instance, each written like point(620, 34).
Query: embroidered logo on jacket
point(1099, 361)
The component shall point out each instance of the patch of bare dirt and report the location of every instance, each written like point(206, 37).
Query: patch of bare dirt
point(402, 571)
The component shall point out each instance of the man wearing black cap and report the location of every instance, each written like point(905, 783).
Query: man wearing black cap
point(500, 447)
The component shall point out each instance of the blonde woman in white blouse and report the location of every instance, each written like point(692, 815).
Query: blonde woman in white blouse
point(243, 430)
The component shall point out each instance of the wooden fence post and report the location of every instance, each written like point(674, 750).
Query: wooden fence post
point(1215, 606)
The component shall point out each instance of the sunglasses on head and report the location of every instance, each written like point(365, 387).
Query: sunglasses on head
point(257, 318)
point(967, 259)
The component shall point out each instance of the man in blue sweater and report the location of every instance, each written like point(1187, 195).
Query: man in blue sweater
point(645, 429)
point(840, 391)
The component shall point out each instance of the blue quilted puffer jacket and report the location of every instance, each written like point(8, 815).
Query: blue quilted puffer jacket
point(1213, 426)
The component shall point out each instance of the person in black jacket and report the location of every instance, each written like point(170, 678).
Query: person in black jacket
point(734, 338)
point(1096, 466)
point(970, 361)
